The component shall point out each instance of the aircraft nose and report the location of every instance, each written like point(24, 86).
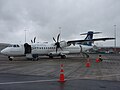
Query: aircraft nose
point(3, 51)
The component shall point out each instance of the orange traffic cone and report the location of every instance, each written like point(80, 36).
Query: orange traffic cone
point(97, 60)
point(88, 63)
point(62, 77)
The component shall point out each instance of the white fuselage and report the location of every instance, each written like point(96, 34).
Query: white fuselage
point(43, 49)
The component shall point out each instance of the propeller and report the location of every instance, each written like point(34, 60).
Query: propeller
point(33, 41)
point(57, 43)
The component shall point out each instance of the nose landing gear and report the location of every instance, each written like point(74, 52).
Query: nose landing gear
point(10, 58)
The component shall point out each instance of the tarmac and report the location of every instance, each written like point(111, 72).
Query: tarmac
point(23, 74)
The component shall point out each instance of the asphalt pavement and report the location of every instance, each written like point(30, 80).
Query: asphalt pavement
point(22, 74)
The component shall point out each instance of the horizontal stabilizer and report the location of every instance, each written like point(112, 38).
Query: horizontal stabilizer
point(90, 32)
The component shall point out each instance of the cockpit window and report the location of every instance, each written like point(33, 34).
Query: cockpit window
point(16, 45)
point(10, 46)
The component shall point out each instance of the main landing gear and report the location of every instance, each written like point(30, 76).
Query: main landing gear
point(63, 56)
point(50, 57)
point(35, 57)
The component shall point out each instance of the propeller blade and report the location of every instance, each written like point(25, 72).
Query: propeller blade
point(34, 39)
point(58, 37)
point(54, 39)
point(31, 41)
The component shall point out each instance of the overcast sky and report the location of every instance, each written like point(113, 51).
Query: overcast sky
point(42, 18)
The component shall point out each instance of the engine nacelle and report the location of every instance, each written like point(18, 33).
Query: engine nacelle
point(63, 44)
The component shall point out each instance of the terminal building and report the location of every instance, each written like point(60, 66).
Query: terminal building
point(109, 49)
point(105, 50)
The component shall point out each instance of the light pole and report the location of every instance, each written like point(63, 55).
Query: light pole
point(60, 32)
point(25, 35)
point(115, 37)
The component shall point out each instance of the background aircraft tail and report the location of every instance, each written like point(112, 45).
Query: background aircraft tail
point(89, 37)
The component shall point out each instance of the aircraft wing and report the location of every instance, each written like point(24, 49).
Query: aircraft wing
point(82, 41)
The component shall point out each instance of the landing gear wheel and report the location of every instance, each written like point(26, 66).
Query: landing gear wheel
point(63, 56)
point(50, 57)
point(35, 59)
point(10, 59)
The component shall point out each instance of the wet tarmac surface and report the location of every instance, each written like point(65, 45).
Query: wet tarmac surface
point(22, 74)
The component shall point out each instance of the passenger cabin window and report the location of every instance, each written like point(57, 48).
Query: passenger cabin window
point(10, 46)
point(18, 46)
point(14, 46)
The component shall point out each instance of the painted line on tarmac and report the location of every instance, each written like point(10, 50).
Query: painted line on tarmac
point(102, 76)
point(35, 81)
point(23, 82)
point(109, 75)
point(89, 77)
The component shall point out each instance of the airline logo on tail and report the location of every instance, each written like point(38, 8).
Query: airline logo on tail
point(88, 37)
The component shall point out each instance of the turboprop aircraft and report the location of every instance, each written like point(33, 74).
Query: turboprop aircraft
point(59, 48)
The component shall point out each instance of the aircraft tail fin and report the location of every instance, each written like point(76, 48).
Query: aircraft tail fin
point(89, 37)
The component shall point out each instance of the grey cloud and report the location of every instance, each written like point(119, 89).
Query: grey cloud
point(42, 18)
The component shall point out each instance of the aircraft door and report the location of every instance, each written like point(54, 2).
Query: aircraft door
point(27, 48)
